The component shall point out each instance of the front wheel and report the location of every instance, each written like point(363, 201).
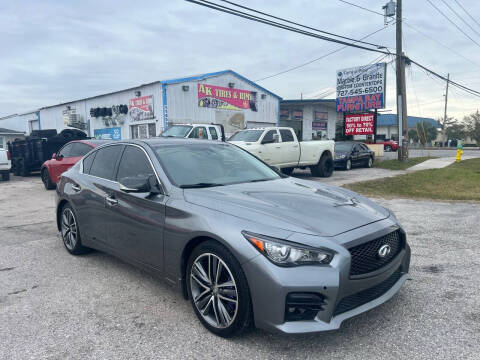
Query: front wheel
point(369, 162)
point(218, 290)
point(70, 232)
point(348, 164)
point(6, 175)
point(287, 171)
point(388, 148)
point(47, 182)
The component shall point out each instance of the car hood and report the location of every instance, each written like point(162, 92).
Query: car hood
point(291, 204)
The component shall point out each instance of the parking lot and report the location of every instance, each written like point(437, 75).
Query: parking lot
point(54, 305)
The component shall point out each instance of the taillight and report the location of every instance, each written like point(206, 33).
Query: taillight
point(8, 155)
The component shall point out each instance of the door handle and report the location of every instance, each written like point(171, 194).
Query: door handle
point(76, 188)
point(295, 146)
point(278, 147)
point(111, 201)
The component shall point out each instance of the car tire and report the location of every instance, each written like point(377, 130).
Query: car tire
point(23, 170)
point(6, 176)
point(70, 231)
point(388, 148)
point(47, 182)
point(324, 168)
point(348, 164)
point(226, 311)
point(287, 171)
point(369, 163)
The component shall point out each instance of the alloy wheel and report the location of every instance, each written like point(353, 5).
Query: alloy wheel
point(349, 164)
point(370, 162)
point(214, 290)
point(69, 229)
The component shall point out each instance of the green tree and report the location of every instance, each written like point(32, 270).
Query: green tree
point(426, 132)
point(472, 126)
point(456, 130)
point(413, 135)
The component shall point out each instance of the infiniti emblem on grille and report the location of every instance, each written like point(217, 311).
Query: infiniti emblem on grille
point(384, 251)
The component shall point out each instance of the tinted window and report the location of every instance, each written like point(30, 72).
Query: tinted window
point(364, 147)
point(199, 133)
point(66, 150)
point(213, 132)
point(246, 135)
point(177, 131)
point(87, 163)
point(269, 135)
point(344, 147)
point(134, 164)
point(79, 149)
point(286, 135)
point(105, 161)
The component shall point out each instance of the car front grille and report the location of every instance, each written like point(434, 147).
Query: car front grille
point(365, 257)
point(365, 296)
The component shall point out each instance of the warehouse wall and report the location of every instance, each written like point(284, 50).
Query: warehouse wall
point(182, 106)
point(20, 122)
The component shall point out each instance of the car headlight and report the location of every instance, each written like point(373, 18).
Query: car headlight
point(341, 156)
point(285, 253)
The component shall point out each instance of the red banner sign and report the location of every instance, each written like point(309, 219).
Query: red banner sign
point(226, 98)
point(141, 108)
point(359, 124)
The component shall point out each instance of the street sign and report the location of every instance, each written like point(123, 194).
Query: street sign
point(361, 88)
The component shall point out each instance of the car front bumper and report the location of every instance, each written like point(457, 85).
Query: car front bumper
point(270, 285)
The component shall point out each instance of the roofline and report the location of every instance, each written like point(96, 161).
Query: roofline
point(308, 101)
point(217, 73)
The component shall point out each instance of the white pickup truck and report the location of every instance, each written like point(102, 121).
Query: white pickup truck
point(279, 146)
point(5, 164)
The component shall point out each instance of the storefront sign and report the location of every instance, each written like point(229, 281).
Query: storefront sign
point(218, 97)
point(319, 125)
point(361, 88)
point(285, 113)
point(298, 114)
point(321, 115)
point(114, 133)
point(359, 124)
point(141, 108)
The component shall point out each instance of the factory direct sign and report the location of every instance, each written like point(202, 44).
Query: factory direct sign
point(361, 88)
point(218, 97)
point(359, 124)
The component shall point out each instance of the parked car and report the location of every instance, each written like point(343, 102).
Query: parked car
point(388, 145)
point(65, 158)
point(5, 164)
point(279, 146)
point(242, 242)
point(350, 154)
point(196, 131)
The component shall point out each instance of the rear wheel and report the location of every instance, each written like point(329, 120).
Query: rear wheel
point(47, 182)
point(218, 290)
point(324, 168)
point(70, 232)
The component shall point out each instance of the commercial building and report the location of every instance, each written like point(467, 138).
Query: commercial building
point(387, 125)
point(144, 111)
point(7, 135)
point(312, 118)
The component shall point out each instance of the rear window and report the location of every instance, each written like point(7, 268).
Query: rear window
point(105, 161)
point(79, 149)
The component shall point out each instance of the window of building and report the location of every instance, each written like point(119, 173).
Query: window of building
point(104, 162)
point(1, 142)
point(284, 113)
point(134, 164)
point(287, 135)
point(298, 114)
point(143, 131)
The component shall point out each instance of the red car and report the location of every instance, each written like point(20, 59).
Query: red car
point(65, 158)
point(388, 145)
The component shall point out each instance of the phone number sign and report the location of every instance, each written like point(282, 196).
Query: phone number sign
point(359, 124)
point(361, 88)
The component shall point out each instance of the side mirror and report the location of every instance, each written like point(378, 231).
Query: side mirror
point(58, 157)
point(54, 155)
point(140, 185)
point(274, 168)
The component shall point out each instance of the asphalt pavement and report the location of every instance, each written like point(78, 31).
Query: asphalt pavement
point(57, 306)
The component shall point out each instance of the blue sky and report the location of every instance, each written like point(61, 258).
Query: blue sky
point(55, 51)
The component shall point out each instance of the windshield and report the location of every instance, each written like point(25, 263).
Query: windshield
point(247, 135)
point(177, 131)
point(202, 165)
point(343, 147)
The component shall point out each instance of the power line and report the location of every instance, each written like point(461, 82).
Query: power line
point(281, 26)
point(316, 59)
point(452, 22)
point(290, 22)
point(460, 17)
point(466, 12)
point(361, 7)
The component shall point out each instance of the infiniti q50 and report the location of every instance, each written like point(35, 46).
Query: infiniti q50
point(245, 244)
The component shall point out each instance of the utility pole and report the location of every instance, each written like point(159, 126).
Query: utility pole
point(401, 90)
point(446, 100)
